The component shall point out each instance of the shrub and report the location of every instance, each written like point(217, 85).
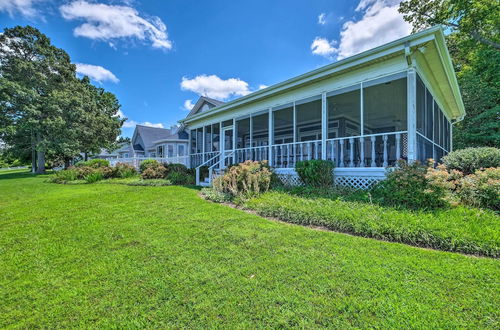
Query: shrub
point(154, 172)
point(94, 177)
point(244, 180)
point(178, 178)
point(64, 176)
point(215, 196)
point(124, 170)
point(481, 189)
point(176, 168)
point(107, 172)
point(149, 163)
point(83, 171)
point(469, 160)
point(94, 163)
point(407, 186)
point(316, 172)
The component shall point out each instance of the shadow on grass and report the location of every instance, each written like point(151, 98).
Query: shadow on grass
point(16, 174)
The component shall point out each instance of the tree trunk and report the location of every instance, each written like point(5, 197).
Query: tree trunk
point(86, 156)
point(40, 159)
point(33, 159)
point(67, 163)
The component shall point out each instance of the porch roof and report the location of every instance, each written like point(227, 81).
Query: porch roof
point(435, 59)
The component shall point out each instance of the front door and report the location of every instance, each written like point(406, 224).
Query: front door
point(226, 145)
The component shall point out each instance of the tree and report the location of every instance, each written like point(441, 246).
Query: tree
point(44, 108)
point(473, 45)
point(479, 19)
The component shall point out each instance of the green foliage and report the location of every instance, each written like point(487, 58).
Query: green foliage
point(176, 168)
point(316, 172)
point(94, 177)
point(164, 258)
point(124, 170)
point(178, 178)
point(215, 195)
point(407, 186)
point(150, 182)
point(481, 189)
point(94, 163)
point(244, 180)
point(64, 176)
point(458, 229)
point(149, 163)
point(470, 160)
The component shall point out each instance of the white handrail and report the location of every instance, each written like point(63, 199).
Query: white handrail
point(203, 164)
point(210, 169)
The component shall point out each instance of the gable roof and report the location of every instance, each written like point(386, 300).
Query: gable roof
point(438, 57)
point(201, 101)
point(150, 134)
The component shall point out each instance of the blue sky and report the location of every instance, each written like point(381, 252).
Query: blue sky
point(159, 56)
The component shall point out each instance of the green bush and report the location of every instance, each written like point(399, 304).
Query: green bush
point(460, 229)
point(64, 176)
point(154, 172)
point(407, 186)
point(124, 170)
point(149, 163)
point(215, 196)
point(470, 160)
point(94, 163)
point(244, 180)
point(178, 178)
point(316, 172)
point(94, 177)
point(176, 168)
point(83, 171)
point(481, 189)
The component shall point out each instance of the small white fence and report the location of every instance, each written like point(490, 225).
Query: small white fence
point(136, 161)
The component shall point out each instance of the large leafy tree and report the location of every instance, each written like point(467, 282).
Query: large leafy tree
point(473, 41)
point(44, 108)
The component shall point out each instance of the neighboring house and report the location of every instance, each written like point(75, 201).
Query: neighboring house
point(396, 101)
point(153, 142)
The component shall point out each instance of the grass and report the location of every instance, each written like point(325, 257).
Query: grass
point(458, 229)
point(107, 255)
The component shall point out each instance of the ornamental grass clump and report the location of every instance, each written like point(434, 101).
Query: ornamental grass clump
point(245, 180)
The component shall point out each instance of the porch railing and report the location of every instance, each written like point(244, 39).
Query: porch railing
point(214, 160)
point(374, 150)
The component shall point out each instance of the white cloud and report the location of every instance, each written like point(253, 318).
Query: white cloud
point(23, 7)
point(322, 19)
point(215, 87)
point(110, 22)
point(381, 23)
point(323, 47)
point(132, 123)
point(188, 105)
point(262, 86)
point(96, 72)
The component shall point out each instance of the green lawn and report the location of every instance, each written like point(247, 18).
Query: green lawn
point(106, 255)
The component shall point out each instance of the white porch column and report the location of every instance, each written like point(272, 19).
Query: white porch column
point(412, 114)
point(189, 150)
point(324, 125)
point(271, 136)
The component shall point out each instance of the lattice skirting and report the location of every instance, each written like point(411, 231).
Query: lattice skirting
point(355, 181)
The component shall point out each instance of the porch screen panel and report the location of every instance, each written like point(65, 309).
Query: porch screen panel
point(421, 111)
point(344, 113)
point(308, 119)
point(215, 137)
point(208, 138)
point(243, 133)
point(283, 125)
point(260, 130)
point(429, 114)
point(199, 140)
point(193, 141)
point(384, 111)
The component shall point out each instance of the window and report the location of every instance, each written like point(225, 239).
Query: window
point(283, 124)
point(260, 130)
point(344, 112)
point(308, 119)
point(199, 140)
point(159, 151)
point(193, 141)
point(170, 150)
point(125, 155)
point(385, 106)
point(215, 137)
point(180, 149)
point(243, 133)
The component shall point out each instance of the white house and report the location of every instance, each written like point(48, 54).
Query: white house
point(396, 101)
